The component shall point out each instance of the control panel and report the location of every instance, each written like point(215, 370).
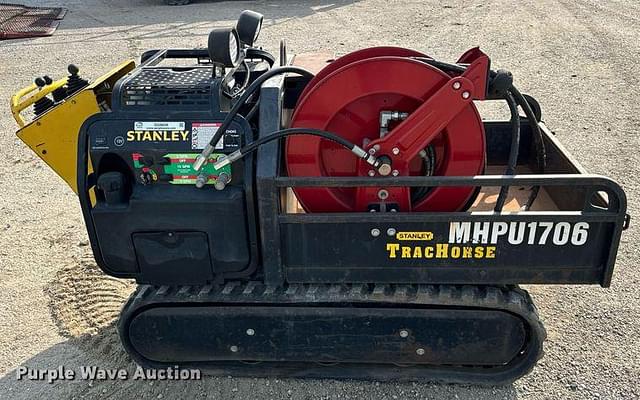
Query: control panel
point(163, 152)
point(177, 169)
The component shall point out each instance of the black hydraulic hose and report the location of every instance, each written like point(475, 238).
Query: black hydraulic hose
point(245, 64)
point(253, 53)
point(537, 137)
point(253, 146)
point(255, 85)
point(526, 107)
point(443, 65)
point(253, 110)
point(513, 151)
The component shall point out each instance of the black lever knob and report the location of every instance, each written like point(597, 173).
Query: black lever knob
point(45, 103)
point(75, 83)
point(73, 70)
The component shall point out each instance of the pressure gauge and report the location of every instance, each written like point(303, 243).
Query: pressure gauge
point(224, 47)
point(248, 27)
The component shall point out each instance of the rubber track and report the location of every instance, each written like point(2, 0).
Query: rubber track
point(511, 299)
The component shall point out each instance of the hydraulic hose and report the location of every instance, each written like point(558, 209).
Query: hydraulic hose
point(247, 76)
point(514, 149)
point(209, 148)
point(526, 107)
point(253, 146)
point(537, 137)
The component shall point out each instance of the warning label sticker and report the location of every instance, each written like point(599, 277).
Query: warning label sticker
point(201, 134)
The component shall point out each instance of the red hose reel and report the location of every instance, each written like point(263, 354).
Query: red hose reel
point(354, 96)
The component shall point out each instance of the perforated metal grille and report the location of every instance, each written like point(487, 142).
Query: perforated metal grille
point(168, 87)
point(18, 21)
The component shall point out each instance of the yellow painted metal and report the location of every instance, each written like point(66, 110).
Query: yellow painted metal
point(53, 136)
point(19, 101)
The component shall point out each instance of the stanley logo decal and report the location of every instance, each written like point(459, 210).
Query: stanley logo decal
point(414, 235)
point(157, 136)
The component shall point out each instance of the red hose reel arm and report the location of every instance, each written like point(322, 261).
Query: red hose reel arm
point(413, 134)
point(404, 143)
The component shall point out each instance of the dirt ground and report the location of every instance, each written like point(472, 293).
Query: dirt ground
point(579, 58)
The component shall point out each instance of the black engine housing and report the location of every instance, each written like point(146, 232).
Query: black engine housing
point(148, 219)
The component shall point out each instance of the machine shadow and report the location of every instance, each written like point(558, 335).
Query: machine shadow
point(103, 350)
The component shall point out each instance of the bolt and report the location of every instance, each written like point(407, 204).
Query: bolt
point(251, 332)
point(383, 194)
point(395, 172)
point(395, 151)
point(465, 95)
point(404, 333)
point(371, 172)
point(391, 232)
point(375, 232)
point(457, 85)
point(372, 151)
point(234, 349)
point(420, 352)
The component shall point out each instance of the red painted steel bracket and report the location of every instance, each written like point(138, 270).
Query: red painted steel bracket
point(414, 134)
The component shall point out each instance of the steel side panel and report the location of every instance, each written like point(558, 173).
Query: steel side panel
point(348, 252)
point(267, 165)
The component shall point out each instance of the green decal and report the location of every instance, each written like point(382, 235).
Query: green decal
point(181, 167)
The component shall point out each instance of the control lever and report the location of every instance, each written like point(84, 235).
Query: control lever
point(45, 103)
point(74, 82)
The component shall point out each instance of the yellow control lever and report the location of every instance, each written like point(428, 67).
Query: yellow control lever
point(20, 101)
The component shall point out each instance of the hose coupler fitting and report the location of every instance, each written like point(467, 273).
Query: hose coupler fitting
point(202, 157)
point(228, 159)
point(500, 81)
point(371, 160)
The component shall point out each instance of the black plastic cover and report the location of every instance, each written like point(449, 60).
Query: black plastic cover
point(174, 257)
point(215, 220)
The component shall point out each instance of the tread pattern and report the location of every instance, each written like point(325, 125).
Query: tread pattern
point(510, 299)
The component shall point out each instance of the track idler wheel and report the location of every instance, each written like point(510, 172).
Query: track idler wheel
point(363, 96)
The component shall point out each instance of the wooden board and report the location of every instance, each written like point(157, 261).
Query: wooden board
point(313, 62)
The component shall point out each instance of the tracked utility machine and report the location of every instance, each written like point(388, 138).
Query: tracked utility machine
point(316, 217)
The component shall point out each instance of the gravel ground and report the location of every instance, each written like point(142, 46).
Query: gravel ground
point(578, 58)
